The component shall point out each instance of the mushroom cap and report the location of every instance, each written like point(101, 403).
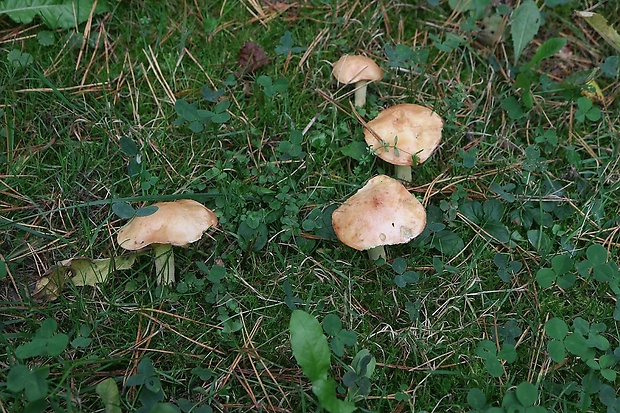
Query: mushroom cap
point(382, 212)
point(354, 68)
point(177, 223)
point(412, 129)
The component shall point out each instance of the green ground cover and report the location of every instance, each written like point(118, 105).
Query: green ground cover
point(508, 301)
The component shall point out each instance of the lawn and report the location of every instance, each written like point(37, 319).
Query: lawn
point(509, 300)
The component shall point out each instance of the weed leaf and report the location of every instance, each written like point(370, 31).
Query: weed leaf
point(325, 390)
point(53, 13)
point(109, 394)
point(309, 345)
point(128, 146)
point(599, 23)
point(546, 50)
point(525, 23)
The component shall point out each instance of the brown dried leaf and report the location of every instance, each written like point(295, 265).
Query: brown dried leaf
point(251, 58)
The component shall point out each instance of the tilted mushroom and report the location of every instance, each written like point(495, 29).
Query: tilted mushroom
point(381, 213)
point(402, 132)
point(360, 70)
point(177, 223)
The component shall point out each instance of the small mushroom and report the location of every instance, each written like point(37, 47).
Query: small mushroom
point(177, 223)
point(360, 70)
point(381, 213)
point(401, 132)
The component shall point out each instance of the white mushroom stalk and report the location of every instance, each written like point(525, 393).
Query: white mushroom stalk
point(360, 93)
point(357, 70)
point(164, 263)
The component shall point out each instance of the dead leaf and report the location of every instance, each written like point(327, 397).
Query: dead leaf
point(81, 271)
point(251, 58)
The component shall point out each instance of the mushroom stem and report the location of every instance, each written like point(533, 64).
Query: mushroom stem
point(377, 252)
point(403, 172)
point(164, 263)
point(360, 93)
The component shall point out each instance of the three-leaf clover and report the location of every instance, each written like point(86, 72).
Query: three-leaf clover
point(332, 325)
point(586, 110)
point(487, 350)
point(286, 45)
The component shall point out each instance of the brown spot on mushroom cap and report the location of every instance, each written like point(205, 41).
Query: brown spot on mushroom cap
point(383, 212)
point(354, 68)
point(412, 129)
point(177, 223)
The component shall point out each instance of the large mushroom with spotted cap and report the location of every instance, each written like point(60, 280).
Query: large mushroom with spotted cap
point(403, 133)
point(177, 223)
point(381, 213)
point(357, 70)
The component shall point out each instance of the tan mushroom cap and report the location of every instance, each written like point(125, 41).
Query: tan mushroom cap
point(177, 223)
point(354, 68)
point(417, 128)
point(383, 212)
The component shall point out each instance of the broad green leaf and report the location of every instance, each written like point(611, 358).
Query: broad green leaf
point(448, 243)
point(309, 345)
point(492, 210)
point(325, 391)
point(364, 363)
point(128, 146)
point(599, 23)
point(107, 390)
point(546, 50)
point(56, 14)
point(540, 240)
point(497, 231)
point(525, 22)
point(356, 150)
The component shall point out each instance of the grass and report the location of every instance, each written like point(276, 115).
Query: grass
point(527, 183)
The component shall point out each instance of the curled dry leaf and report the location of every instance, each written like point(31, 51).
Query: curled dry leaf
point(251, 58)
point(80, 271)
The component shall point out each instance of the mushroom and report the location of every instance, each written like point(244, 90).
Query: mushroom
point(360, 70)
point(381, 213)
point(177, 223)
point(402, 132)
